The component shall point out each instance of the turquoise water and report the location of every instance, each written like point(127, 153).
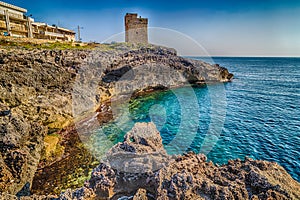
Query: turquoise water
point(256, 115)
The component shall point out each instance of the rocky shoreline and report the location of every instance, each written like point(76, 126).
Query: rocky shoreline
point(40, 92)
point(140, 168)
point(156, 175)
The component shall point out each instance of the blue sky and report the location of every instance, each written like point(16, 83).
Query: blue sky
point(228, 27)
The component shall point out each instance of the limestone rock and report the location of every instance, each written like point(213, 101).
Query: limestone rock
point(21, 143)
point(140, 152)
point(141, 194)
point(37, 97)
point(188, 176)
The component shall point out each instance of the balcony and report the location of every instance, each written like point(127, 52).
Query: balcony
point(47, 33)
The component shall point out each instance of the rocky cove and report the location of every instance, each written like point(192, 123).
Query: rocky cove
point(39, 139)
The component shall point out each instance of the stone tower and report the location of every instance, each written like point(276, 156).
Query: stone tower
point(136, 29)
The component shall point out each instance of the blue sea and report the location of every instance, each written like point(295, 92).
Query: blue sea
point(256, 115)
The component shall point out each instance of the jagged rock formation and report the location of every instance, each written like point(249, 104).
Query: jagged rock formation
point(183, 177)
point(37, 87)
point(20, 145)
point(41, 82)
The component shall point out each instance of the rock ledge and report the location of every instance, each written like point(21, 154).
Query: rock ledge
point(181, 177)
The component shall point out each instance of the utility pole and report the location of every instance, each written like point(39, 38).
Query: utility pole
point(78, 29)
point(8, 28)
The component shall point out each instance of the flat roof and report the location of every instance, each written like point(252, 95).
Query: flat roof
point(13, 7)
point(67, 30)
point(47, 25)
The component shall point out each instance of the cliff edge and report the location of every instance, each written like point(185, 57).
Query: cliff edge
point(37, 128)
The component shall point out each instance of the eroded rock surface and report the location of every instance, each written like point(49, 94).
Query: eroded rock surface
point(38, 88)
point(21, 142)
point(188, 176)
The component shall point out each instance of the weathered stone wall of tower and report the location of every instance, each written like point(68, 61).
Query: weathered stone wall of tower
point(136, 29)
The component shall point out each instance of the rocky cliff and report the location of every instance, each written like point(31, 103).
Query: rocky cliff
point(40, 91)
point(37, 88)
point(139, 168)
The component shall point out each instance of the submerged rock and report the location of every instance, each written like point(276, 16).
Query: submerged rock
point(186, 176)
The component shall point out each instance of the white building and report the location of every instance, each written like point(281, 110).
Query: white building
point(14, 22)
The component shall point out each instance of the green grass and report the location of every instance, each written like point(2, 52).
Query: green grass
point(28, 45)
point(47, 45)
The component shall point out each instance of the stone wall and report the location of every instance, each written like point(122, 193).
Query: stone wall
point(136, 29)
